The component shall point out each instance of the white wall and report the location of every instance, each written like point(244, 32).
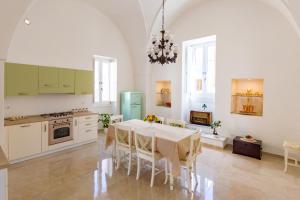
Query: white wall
point(65, 33)
point(166, 72)
point(253, 40)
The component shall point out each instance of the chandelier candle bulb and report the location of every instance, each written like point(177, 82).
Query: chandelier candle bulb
point(175, 50)
point(163, 48)
point(154, 39)
point(167, 37)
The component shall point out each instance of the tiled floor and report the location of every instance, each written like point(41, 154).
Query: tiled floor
point(86, 173)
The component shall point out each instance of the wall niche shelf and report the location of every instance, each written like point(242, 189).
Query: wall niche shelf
point(163, 93)
point(247, 97)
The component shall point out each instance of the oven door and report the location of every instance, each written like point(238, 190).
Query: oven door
point(60, 133)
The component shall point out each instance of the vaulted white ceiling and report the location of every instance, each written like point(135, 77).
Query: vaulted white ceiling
point(136, 19)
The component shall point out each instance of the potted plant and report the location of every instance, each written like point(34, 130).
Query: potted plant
point(204, 106)
point(215, 125)
point(105, 119)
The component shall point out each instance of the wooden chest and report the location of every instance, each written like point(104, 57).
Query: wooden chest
point(251, 149)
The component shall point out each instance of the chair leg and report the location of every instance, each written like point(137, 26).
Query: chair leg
point(153, 173)
point(286, 154)
point(129, 163)
point(114, 153)
point(138, 168)
point(189, 170)
point(171, 176)
point(166, 171)
point(195, 171)
point(118, 158)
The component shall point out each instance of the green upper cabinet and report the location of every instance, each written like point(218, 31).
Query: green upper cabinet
point(84, 82)
point(48, 80)
point(56, 80)
point(66, 81)
point(21, 80)
point(30, 80)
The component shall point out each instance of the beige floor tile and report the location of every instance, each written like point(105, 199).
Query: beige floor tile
point(87, 173)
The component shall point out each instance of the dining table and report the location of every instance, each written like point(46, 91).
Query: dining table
point(173, 143)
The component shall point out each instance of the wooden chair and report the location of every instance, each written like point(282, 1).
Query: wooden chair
point(290, 147)
point(123, 140)
point(175, 123)
point(146, 150)
point(189, 162)
point(116, 118)
point(161, 119)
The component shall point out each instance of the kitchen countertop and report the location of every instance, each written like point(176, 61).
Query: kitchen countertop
point(80, 114)
point(38, 118)
point(3, 160)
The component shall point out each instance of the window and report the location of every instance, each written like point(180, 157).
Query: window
point(105, 80)
point(199, 71)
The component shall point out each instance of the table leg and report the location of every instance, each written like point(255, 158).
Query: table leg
point(171, 177)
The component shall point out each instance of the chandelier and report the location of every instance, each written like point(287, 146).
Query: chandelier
point(163, 50)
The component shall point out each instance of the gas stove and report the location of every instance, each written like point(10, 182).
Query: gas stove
point(60, 115)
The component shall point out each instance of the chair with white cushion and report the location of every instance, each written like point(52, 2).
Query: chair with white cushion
point(124, 144)
point(175, 123)
point(146, 150)
point(290, 147)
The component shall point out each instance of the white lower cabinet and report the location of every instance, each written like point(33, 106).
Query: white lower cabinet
point(88, 134)
point(45, 136)
point(5, 141)
point(24, 140)
point(75, 130)
point(85, 128)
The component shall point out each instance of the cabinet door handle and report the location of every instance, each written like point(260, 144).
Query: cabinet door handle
point(87, 131)
point(66, 86)
point(22, 93)
point(47, 85)
point(25, 126)
point(75, 122)
point(88, 124)
point(45, 128)
point(88, 118)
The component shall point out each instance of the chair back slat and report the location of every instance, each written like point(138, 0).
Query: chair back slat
point(161, 119)
point(195, 147)
point(123, 135)
point(175, 123)
point(145, 142)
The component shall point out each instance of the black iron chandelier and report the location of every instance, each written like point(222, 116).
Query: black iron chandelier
point(163, 50)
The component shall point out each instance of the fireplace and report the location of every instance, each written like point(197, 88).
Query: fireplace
point(200, 118)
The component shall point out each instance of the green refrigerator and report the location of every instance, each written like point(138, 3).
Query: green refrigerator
point(131, 105)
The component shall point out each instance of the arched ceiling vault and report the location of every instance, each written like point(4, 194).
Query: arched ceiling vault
point(290, 9)
point(136, 19)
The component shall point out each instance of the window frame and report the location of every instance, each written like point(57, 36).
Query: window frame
point(190, 48)
point(205, 63)
point(110, 60)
